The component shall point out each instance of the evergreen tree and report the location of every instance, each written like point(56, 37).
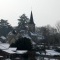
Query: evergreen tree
point(5, 28)
point(22, 24)
point(22, 44)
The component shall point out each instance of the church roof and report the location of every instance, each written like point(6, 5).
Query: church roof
point(31, 19)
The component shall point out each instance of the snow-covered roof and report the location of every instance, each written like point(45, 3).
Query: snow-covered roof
point(59, 47)
point(34, 34)
point(52, 52)
point(17, 58)
point(4, 46)
point(13, 49)
point(22, 31)
point(21, 51)
point(10, 33)
point(1, 56)
point(8, 59)
point(9, 51)
point(33, 42)
point(3, 37)
point(48, 58)
point(40, 38)
point(37, 53)
point(27, 36)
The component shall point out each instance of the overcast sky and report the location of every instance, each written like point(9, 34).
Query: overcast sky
point(44, 11)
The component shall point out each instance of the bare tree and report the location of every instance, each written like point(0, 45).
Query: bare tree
point(58, 26)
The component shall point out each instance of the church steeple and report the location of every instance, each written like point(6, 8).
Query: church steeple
point(31, 24)
point(31, 18)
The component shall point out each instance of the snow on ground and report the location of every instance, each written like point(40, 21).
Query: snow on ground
point(3, 37)
point(50, 59)
point(13, 51)
point(52, 52)
point(5, 47)
point(17, 51)
point(8, 59)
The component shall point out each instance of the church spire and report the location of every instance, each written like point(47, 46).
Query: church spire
point(31, 18)
point(31, 24)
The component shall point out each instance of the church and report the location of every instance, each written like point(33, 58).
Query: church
point(31, 24)
point(30, 33)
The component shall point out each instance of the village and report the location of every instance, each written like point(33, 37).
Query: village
point(41, 49)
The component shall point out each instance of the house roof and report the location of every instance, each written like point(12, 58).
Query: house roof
point(4, 46)
point(21, 51)
point(52, 52)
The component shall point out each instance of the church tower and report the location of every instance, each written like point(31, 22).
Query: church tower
point(31, 24)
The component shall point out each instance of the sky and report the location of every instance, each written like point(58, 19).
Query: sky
point(45, 12)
